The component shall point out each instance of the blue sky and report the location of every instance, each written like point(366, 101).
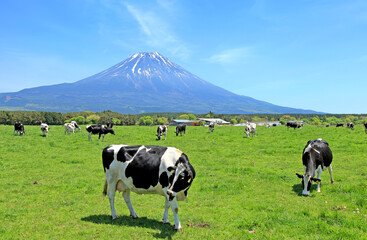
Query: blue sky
point(302, 54)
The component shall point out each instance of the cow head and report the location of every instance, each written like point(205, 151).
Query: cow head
point(110, 130)
point(306, 183)
point(182, 175)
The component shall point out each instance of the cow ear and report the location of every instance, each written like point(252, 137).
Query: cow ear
point(171, 169)
point(299, 175)
point(316, 180)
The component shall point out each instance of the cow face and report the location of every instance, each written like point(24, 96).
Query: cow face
point(306, 183)
point(181, 178)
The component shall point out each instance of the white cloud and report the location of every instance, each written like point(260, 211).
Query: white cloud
point(157, 30)
point(230, 56)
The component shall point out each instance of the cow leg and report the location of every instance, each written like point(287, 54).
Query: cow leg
point(174, 207)
point(111, 196)
point(319, 171)
point(165, 215)
point(331, 173)
point(90, 136)
point(126, 195)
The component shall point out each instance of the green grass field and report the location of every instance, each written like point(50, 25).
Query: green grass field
point(51, 188)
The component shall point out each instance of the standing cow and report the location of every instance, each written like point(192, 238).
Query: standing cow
point(294, 125)
point(365, 127)
point(69, 127)
point(147, 169)
point(44, 128)
point(211, 126)
point(316, 157)
point(339, 125)
point(250, 128)
point(19, 128)
point(350, 125)
point(180, 128)
point(162, 130)
point(101, 130)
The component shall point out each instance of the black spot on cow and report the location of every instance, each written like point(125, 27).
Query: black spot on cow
point(144, 168)
point(107, 156)
point(163, 179)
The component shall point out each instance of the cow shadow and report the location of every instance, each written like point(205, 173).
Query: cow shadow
point(166, 230)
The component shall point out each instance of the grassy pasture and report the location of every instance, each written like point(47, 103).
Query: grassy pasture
point(51, 188)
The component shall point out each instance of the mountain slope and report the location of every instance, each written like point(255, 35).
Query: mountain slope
point(145, 82)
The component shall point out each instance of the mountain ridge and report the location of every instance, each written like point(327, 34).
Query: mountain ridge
point(144, 82)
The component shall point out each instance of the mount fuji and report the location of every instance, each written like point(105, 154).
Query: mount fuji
point(144, 82)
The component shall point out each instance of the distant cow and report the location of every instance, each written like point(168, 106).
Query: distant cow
point(340, 125)
point(76, 125)
point(69, 127)
point(350, 125)
point(162, 130)
point(101, 130)
point(365, 127)
point(250, 128)
point(180, 128)
point(211, 126)
point(316, 157)
point(19, 128)
point(294, 125)
point(44, 128)
point(147, 169)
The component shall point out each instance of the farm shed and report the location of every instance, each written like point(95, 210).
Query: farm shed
point(214, 120)
point(175, 122)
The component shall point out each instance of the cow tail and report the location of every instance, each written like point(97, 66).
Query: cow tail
point(105, 188)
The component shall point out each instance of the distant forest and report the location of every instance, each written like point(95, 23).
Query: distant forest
point(87, 117)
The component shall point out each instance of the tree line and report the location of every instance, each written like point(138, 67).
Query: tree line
point(88, 117)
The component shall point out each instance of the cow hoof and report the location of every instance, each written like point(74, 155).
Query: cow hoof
point(179, 229)
point(115, 217)
point(332, 182)
point(134, 217)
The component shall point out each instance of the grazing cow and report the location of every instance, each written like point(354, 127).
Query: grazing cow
point(350, 125)
point(327, 125)
point(76, 125)
point(180, 128)
point(101, 130)
point(365, 127)
point(69, 127)
point(294, 125)
point(211, 126)
point(250, 128)
point(316, 157)
point(147, 169)
point(162, 130)
point(44, 129)
point(340, 125)
point(19, 128)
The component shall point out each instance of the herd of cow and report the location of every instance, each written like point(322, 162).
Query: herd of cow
point(167, 171)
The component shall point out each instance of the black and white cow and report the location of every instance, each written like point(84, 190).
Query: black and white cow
point(365, 127)
point(339, 125)
point(180, 128)
point(76, 125)
point(316, 157)
point(147, 169)
point(211, 126)
point(250, 128)
point(101, 130)
point(350, 125)
point(19, 128)
point(69, 127)
point(44, 128)
point(162, 130)
point(294, 125)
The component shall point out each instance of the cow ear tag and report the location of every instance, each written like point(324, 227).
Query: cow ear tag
point(172, 171)
point(189, 180)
